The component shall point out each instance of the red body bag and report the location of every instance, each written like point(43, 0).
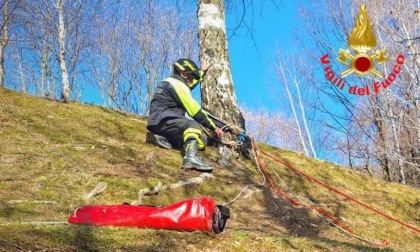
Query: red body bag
point(199, 214)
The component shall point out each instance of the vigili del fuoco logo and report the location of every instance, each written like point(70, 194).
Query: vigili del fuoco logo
point(362, 40)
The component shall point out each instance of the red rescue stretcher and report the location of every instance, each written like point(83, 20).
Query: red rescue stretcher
point(200, 214)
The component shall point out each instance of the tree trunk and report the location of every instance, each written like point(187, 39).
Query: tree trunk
point(384, 159)
point(65, 80)
point(292, 105)
point(217, 91)
point(304, 121)
point(368, 164)
point(397, 149)
point(2, 72)
point(4, 39)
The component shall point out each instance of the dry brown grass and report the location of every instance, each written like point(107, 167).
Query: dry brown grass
point(59, 152)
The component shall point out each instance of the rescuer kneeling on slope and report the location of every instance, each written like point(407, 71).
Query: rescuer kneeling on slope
point(170, 104)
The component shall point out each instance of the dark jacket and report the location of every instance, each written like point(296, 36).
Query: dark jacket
point(172, 99)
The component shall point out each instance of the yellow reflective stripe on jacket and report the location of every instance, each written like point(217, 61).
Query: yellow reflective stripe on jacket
point(208, 118)
point(184, 93)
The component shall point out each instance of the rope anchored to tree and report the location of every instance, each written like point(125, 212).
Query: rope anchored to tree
point(239, 134)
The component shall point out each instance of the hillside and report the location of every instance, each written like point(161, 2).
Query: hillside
point(52, 155)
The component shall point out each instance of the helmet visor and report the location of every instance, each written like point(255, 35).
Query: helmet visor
point(195, 75)
point(193, 78)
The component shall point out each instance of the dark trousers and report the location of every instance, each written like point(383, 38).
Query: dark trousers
point(179, 130)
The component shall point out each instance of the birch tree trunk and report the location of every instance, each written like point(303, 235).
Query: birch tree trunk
point(65, 81)
point(292, 105)
point(305, 123)
point(217, 90)
point(4, 39)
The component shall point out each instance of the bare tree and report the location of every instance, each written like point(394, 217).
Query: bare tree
point(4, 38)
point(299, 113)
point(45, 29)
point(135, 47)
point(274, 128)
point(65, 80)
point(7, 8)
point(217, 92)
point(37, 50)
point(377, 127)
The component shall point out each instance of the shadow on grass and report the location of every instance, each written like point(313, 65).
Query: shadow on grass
point(300, 222)
point(84, 239)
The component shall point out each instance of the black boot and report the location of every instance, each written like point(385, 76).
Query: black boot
point(158, 140)
point(191, 159)
point(163, 142)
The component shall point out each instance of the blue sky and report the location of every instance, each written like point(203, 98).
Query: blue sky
point(251, 60)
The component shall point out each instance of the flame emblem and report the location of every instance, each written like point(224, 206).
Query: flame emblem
point(362, 40)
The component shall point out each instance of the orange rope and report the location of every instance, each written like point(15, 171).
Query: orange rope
point(343, 194)
point(297, 203)
point(318, 210)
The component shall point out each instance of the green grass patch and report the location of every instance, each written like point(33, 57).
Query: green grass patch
point(54, 152)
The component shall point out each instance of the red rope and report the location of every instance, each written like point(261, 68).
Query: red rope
point(339, 192)
point(297, 203)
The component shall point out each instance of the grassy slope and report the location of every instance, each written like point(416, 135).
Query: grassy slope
point(57, 152)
